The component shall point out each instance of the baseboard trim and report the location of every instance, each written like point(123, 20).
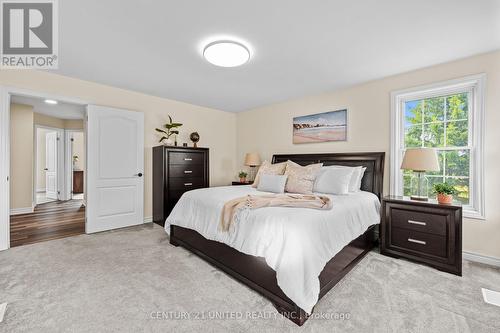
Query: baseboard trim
point(481, 258)
point(19, 211)
point(148, 219)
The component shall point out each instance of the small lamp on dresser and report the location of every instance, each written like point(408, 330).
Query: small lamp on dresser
point(252, 160)
point(420, 161)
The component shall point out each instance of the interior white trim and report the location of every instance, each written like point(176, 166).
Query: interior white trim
point(148, 219)
point(471, 256)
point(19, 211)
point(5, 92)
point(4, 168)
point(474, 83)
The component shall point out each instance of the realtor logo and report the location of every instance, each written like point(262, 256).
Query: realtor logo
point(29, 34)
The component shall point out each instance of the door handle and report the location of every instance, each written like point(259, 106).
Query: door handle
point(46, 169)
point(139, 174)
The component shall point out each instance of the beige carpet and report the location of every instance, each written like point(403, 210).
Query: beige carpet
point(133, 280)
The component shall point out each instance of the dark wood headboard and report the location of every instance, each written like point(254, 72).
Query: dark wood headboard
point(373, 179)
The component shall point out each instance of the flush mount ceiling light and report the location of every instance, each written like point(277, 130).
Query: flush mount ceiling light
point(226, 53)
point(50, 101)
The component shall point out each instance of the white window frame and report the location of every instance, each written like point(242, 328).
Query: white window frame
point(475, 86)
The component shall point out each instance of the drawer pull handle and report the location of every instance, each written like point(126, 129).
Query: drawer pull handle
point(188, 171)
point(417, 222)
point(411, 240)
point(188, 159)
point(188, 184)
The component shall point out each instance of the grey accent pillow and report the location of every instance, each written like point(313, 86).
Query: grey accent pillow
point(272, 183)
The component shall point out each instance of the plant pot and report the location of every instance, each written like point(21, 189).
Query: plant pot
point(444, 198)
point(168, 142)
point(243, 180)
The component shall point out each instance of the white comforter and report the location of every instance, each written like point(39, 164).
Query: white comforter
point(296, 242)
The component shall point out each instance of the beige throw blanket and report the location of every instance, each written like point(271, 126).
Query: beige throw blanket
point(232, 207)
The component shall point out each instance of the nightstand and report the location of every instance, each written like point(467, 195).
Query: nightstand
point(239, 183)
point(422, 231)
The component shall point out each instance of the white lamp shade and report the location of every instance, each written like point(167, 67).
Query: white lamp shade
point(252, 159)
point(420, 159)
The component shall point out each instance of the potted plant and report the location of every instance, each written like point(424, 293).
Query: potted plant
point(243, 176)
point(170, 129)
point(444, 192)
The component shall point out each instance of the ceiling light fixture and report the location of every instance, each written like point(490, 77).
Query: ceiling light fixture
point(50, 101)
point(226, 53)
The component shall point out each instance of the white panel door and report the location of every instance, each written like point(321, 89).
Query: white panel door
point(115, 166)
point(51, 165)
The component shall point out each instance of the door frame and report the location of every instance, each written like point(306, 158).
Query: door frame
point(5, 93)
point(61, 184)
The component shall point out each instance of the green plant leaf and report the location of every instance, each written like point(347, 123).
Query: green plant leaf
point(176, 124)
point(170, 119)
point(174, 132)
point(163, 138)
point(160, 130)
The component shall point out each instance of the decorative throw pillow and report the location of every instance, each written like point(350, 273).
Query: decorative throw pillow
point(333, 180)
point(357, 175)
point(301, 178)
point(269, 169)
point(272, 183)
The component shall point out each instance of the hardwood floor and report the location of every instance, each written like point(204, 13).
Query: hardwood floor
point(51, 220)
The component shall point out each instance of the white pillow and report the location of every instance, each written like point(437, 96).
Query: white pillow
point(333, 180)
point(272, 183)
point(357, 176)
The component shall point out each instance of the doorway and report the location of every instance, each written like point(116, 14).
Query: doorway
point(57, 159)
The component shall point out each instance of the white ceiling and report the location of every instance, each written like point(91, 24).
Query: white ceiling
point(299, 47)
point(60, 110)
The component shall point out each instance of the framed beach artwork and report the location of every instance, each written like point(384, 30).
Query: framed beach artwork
point(320, 127)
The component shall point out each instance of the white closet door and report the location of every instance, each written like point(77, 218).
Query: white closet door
point(115, 167)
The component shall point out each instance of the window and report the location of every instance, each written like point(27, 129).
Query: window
point(447, 117)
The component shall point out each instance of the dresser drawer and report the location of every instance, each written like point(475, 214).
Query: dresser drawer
point(186, 183)
point(186, 158)
point(419, 221)
point(419, 241)
point(186, 171)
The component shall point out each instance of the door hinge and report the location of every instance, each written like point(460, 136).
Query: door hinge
point(72, 139)
point(57, 139)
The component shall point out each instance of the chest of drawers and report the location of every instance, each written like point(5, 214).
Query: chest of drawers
point(175, 171)
point(425, 232)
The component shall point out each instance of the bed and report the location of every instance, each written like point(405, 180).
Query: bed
point(248, 254)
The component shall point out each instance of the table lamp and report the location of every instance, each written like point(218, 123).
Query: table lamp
point(420, 161)
point(252, 160)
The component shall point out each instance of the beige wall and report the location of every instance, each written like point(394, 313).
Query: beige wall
point(79, 150)
point(268, 130)
point(217, 128)
point(44, 120)
point(21, 156)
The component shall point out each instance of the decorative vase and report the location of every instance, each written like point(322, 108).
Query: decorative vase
point(444, 198)
point(243, 180)
point(168, 142)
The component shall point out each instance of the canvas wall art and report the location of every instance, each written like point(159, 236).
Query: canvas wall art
point(320, 127)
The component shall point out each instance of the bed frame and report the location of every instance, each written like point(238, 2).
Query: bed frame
point(255, 273)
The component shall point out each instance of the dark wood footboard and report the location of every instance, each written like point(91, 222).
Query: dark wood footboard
point(255, 273)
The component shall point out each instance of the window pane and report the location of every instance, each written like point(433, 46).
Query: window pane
point(457, 163)
point(413, 136)
point(413, 113)
point(457, 133)
point(457, 107)
point(462, 187)
point(434, 135)
point(434, 109)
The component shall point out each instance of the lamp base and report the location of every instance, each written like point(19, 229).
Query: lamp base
point(419, 198)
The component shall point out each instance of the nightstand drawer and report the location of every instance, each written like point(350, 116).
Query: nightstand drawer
point(419, 241)
point(419, 221)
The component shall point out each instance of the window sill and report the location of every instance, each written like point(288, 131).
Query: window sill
point(473, 214)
